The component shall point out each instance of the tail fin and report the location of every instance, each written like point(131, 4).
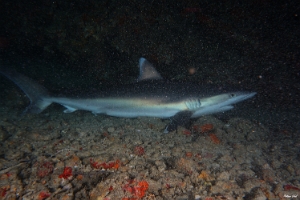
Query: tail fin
point(34, 91)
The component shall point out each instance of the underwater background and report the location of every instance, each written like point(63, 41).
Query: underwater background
point(250, 152)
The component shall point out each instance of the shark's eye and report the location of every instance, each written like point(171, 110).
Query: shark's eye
point(232, 95)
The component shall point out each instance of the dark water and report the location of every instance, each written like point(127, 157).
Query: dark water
point(71, 46)
point(75, 45)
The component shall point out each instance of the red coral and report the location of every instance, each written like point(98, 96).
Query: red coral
point(8, 174)
point(187, 132)
point(104, 165)
point(290, 187)
point(3, 192)
point(43, 195)
point(44, 169)
point(94, 164)
point(67, 173)
point(206, 128)
point(138, 150)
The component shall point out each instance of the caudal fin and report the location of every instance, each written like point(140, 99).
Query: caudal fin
point(34, 91)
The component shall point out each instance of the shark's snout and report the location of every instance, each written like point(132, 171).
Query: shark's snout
point(250, 95)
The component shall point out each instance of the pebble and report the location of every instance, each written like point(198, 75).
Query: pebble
point(111, 129)
point(224, 176)
point(258, 195)
point(161, 166)
point(4, 135)
point(13, 154)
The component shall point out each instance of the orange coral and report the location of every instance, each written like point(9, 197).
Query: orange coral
point(141, 189)
point(75, 159)
point(266, 193)
point(189, 154)
point(214, 138)
point(43, 195)
point(138, 191)
point(205, 176)
point(79, 177)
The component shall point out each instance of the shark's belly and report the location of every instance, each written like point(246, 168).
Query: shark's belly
point(122, 107)
point(139, 112)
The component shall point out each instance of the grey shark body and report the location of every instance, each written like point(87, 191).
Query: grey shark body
point(150, 96)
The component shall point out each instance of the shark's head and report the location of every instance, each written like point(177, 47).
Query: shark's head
point(227, 99)
point(220, 103)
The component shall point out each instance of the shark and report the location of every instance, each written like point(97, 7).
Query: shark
point(149, 96)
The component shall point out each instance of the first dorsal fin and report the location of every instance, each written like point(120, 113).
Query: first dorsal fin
point(147, 71)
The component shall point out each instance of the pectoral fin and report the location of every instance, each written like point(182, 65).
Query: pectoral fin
point(69, 109)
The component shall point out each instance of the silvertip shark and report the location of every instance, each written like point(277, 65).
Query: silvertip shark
point(150, 96)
